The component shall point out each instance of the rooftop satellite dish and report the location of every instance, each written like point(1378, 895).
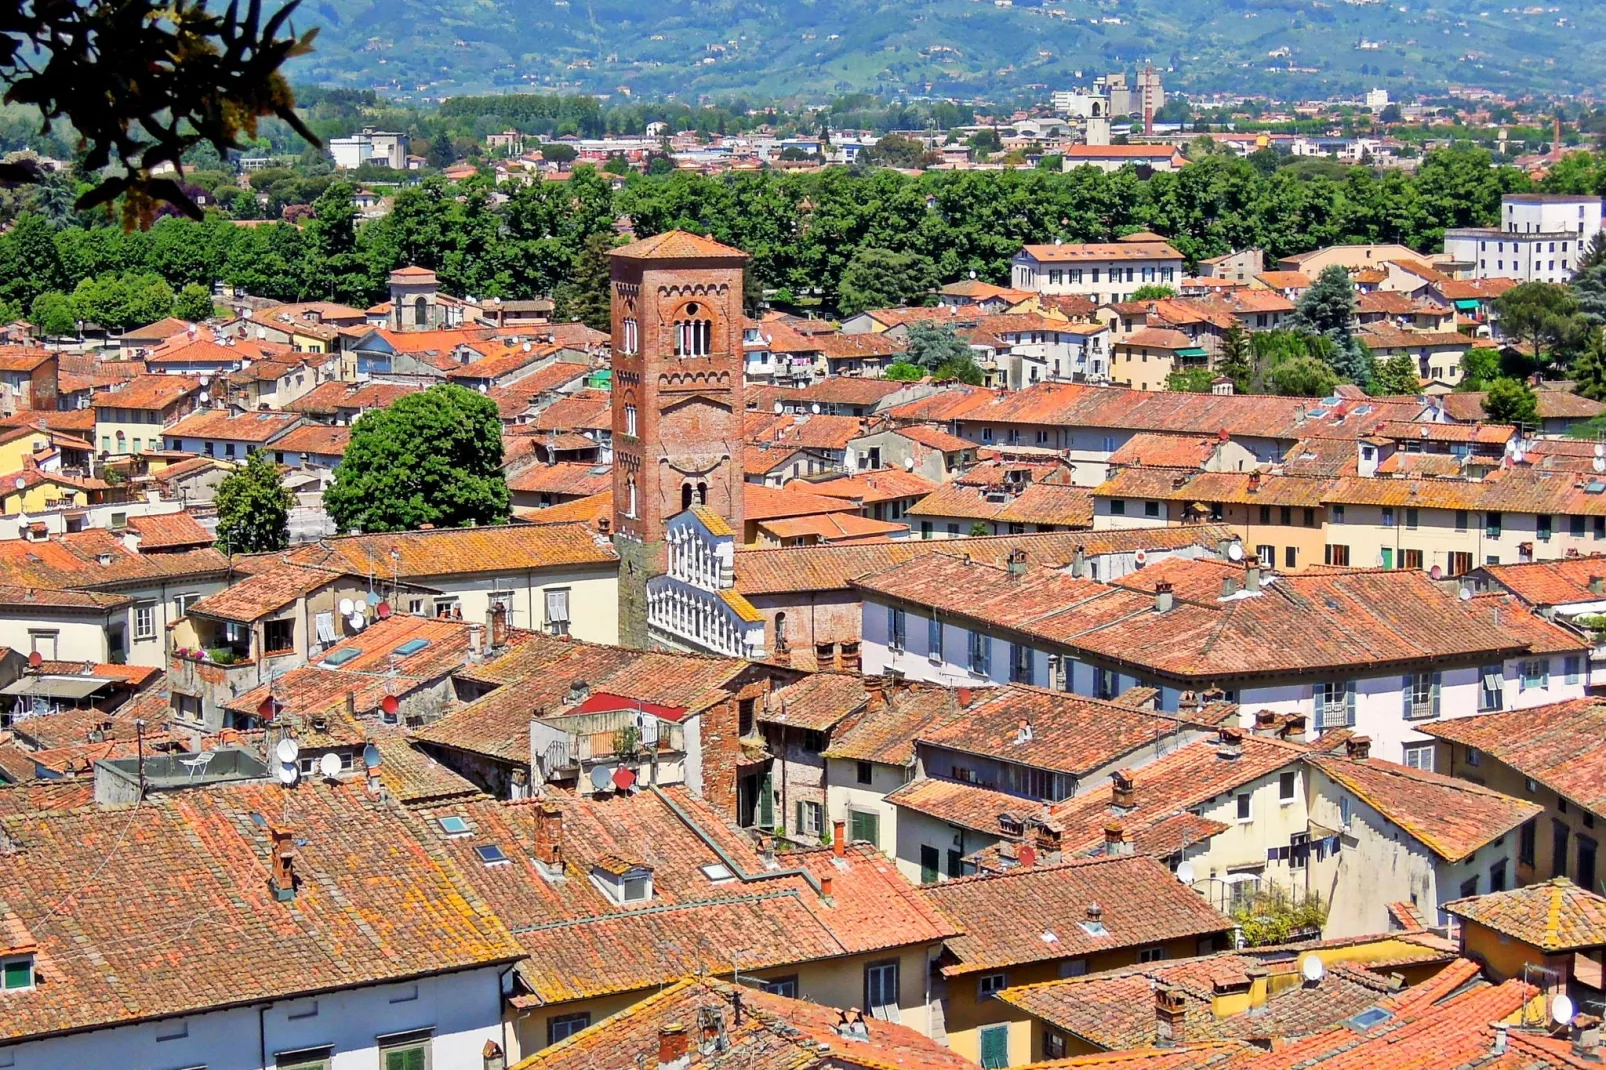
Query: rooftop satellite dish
point(1466, 594)
point(623, 778)
point(372, 598)
point(815, 408)
point(371, 757)
point(526, 347)
point(1436, 572)
point(35, 660)
point(601, 778)
point(1598, 464)
point(973, 273)
point(21, 482)
point(346, 607)
point(1235, 551)
point(779, 408)
point(1185, 872)
point(1312, 969)
point(383, 611)
point(288, 750)
point(908, 464)
point(288, 774)
point(329, 766)
point(205, 397)
point(1516, 455)
point(390, 704)
point(1600, 450)
point(1561, 1010)
point(356, 621)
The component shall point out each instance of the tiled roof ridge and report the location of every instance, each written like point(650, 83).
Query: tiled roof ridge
point(1027, 871)
point(1407, 773)
point(665, 908)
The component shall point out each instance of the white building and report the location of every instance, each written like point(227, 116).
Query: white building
point(695, 605)
point(1539, 239)
point(1104, 271)
point(1377, 99)
point(380, 148)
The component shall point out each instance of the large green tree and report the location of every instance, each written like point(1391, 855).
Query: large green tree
point(931, 345)
point(1544, 315)
point(1328, 309)
point(253, 507)
point(1236, 360)
point(1304, 377)
point(434, 457)
point(881, 278)
point(1511, 401)
point(1396, 376)
point(587, 294)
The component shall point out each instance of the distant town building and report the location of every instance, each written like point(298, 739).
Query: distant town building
point(371, 146)
point(1539, 239)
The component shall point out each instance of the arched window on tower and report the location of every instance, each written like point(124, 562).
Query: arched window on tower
point(780, 633)
point(421, 313)
point(685, 496)
point(630, 503)
point(702, 494)
point(694, 334)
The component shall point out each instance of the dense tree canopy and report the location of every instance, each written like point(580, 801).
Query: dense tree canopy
point(433, 457)
point(253, 508)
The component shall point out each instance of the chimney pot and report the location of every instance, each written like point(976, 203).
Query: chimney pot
point(826, 885)
point(838, 838)
point(1358, 747)
point(673, 1044)
point(283, 881)
point(1170, 1013)
point(1122, 790)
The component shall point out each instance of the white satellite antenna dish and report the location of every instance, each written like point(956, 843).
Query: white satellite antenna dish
point(21, 482)
point(288, 750)
point(356, 621)
point(346, 607)
point(1466, 594)
point(205, 397)
point(601, 778)
point(908, 464)
point(329, 766)
point(815, 408)
point(1562, 1010)
point(1312, 969)
point(1600, 451)
point(1185, 872)
point(1235, 551)
point(288, 774)
point(526, 347)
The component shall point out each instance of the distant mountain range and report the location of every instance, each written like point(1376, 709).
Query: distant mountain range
point(967, 48)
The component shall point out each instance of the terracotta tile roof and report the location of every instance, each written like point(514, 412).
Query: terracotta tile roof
point(168, 531)
point(1451, 817)
point(326, 399)
point(1556, 744)
point(373, 904)
point(315, 439)
point(583, 944)
point(769, 1033)
point(412, 777)
point(1192, 579)
point(259, 428)
point(254, 597)
point(1416, 464)
point(763, 459)
point(1554, 916)
point(1159, 450)
point(1041, 913)
point(1281, 280)
point(935, 438)
point(818, 702)
point(1058, 254)
point(887, 735)
point(968, 806)
point(458, 551)
point(804, 431)
point(1038, 503)
point(1048, 729)
point(569, 478)
point(74, 562)
point(159, 331)
point(832, 527)
point(848, 390)
point(1115, 1009)
point(1154, 338)
point(148, 392)
point(584, 410)
point(676, 245)
point(770, 503)
point(1550, 405)
point(537, 679)
point(1190, 775)
point(586, 511)
point(868, 487)
point(829, 568)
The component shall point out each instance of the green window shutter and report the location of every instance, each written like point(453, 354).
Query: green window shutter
point(766, 808)
point(405, 1059)
point(1408, 693)
point(1544, 672)
point(1438, 679)
point(1349, 704)
point(994, 1046)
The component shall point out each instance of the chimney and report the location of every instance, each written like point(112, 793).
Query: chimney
point(1023, 732)
point(492, 1057)
point(1259, 987)
point(1017, 562)
point(1500, 1036)
point(549, 835)
point(1358, 747)
point(475, 635)
point(1229, 587)
point(1597, 585)
point(1293, 727)
point(1115, 839)
point(963, 695)
point(1169, 1014)
point(851, 1025)
point(1252, 574)
point(283, 881)
point(351, 704)
point(1254, 482)
point(1265, 722)
point(825, 887)
point(1027, 855)
point(876, 696)
point(498, 626)
point(1048, 837)
point(1230, 744)
point(1586, 1037)
point(838, 838)
point(673, 1046)
point(1164, 600)
point(603, 523)
point(1123, 793)
point(1079, 563)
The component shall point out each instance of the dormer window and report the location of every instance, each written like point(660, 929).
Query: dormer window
point(626, 883)
point(18, 972)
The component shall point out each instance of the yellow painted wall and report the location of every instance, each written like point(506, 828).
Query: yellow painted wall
point(41, 495)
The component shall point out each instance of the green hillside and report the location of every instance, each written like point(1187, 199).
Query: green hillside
point(772, 48)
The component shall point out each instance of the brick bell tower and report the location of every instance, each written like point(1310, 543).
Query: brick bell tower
point(677, 400)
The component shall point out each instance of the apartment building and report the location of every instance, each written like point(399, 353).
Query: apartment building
point(1539, 239)
point(1102, 271)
